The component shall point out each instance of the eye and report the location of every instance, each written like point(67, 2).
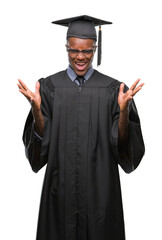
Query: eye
point(74, 51)
point(87, 51)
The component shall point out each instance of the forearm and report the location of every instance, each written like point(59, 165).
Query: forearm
point(38, 121)
point(123, 136)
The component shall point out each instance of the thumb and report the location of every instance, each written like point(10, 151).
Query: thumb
point(37, 87)
point(121, 89)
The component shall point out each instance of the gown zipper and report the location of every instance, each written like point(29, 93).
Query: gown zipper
point(76, 211)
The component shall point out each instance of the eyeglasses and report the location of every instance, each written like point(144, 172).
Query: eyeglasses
point(85, 52)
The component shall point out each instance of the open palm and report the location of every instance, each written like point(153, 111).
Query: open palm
point(125, 98)
point(33, 98)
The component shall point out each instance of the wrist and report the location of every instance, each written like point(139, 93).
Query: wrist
point(124, 115)
point(36, 109)
point(37, 114)
point(124, 110)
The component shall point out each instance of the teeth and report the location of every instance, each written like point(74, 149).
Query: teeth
point(81, 64)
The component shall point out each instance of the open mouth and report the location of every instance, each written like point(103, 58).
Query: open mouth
point(80, 66)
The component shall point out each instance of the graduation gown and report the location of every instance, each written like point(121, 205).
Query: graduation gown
point(81, 195)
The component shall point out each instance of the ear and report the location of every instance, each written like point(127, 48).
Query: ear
point(95, 47)
point(66, 46)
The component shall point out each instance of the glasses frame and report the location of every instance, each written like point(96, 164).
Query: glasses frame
point(85, 52)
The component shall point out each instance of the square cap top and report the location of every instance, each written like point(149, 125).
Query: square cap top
point(96, 21)
point(82, 26)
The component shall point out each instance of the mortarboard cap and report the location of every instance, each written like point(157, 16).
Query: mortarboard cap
point(84, 27)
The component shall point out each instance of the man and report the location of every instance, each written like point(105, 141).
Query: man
point(82, 124)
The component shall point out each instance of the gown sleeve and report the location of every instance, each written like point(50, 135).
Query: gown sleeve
point(132, 153)
point(36, 148)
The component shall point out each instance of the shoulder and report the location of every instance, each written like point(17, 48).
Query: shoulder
point(49, 82)
point(57, 76)
point(106, 80)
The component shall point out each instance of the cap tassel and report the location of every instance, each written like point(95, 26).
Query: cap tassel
point(99, 46)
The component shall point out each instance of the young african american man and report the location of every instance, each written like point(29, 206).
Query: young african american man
point(82, 124)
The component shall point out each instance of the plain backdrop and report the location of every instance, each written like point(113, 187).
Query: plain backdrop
point(30, 48)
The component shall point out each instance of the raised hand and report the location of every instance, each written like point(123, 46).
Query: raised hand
point(125, 98)
point(33, 98)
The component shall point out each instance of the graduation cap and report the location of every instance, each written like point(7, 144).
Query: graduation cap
point(84, 27)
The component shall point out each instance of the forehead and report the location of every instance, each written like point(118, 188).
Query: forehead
point(79, 43)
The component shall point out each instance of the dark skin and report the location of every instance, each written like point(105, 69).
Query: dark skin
point(80, 64)
point(35, 100)
point(124, 101)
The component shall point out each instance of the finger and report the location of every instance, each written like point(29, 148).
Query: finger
point(128, 95)
point(23, 84)
point(141, 85)
point(21, 88)
point(19, 85)
point(29, 98)
point(121, 89)
point(137, 89)
point(37, 87)
point(129, 98)
point(24, 93)
point(135, 84)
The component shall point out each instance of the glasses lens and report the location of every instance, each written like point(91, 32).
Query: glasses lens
point(73, 51)
point(88, 51)
point(76, 51)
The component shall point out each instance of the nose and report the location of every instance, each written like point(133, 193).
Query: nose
point(80, 56)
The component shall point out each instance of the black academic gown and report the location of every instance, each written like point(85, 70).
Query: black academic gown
point(81, 196)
